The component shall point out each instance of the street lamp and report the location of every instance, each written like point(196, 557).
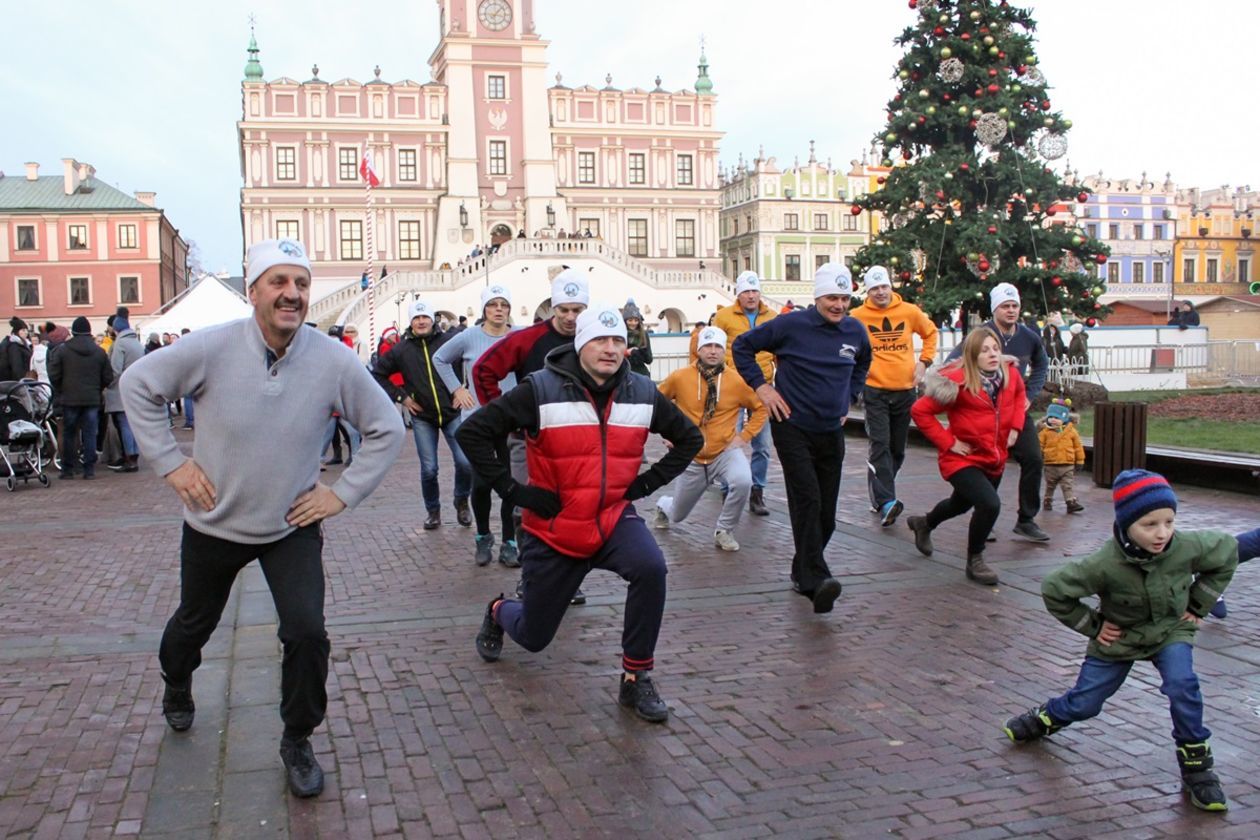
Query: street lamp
point(551, 215)
point(463, 215)
point(1166, 258)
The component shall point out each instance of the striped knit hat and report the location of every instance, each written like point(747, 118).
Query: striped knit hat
point(1137, 493)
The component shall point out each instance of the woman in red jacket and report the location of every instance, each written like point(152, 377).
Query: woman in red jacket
point(982, 394)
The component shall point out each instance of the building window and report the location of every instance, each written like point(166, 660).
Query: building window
point(636, 235)
point(591, 225)
point(850, 221)
point(286, 163)
point(685, 237)
point(748, 222)
point(80, 291)
point(1187, 270)
point(848, 262)
point(1113, 272)
point(820, 260)
point(1244, 270)
point(1139, 272)
point(684, 170)
point(78, 238)
point(791, 221)
point(735, 226)
point(126, 236)
point(792, 267)
point(28, 291)
point(351, 239)
point(128, 289)
point(638, 168)
point(406, 164)
point(1137, 231)
point(1210, 275)
point(747, 263)
point(348, 164)
point(586, 167)
point(1159, 231)
point(498, 157)
point(820, 221)
point(496, 87)
point(409, 240)
point(287, 229)
point(26, 237)
point(1113, 231)
point(1157, 272)
point(1092, 230)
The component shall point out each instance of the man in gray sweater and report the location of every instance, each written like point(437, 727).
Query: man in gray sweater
point(265, 387)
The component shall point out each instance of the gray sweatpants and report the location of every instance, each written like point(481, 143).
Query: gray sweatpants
point(731, 468)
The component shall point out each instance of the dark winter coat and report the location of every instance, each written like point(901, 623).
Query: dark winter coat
point(973, 418)
point(15, 358)
point(79, 371)
point(639, 352)
point(413, 358)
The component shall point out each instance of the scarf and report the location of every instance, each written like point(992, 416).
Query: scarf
point(992, 383)
point(711, 376)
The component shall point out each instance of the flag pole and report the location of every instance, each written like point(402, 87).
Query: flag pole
point(371, 244)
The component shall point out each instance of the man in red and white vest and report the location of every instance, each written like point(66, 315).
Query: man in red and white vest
point(586, 417)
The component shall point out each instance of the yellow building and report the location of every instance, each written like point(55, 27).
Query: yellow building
point(1215, 249)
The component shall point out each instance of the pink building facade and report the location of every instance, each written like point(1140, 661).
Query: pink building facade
point(485, 150)
point(73, 245)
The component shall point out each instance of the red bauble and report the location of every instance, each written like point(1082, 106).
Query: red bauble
point(1097, 306)
point(922, 119)
point(993, 88)
point(1002, 54)
point(971, 123)
point(855, 210)
point(905, 275)
point(983, 265)
point(1085, 295)
point(881, 179)
point(1021, 69)
point(992, 73)
point(1053, 264)
point(946, 97)
point(1056, 280)
point(1082, 197)
point(992, 229)
point(984, 30)
point(896, 97)
point(915, 76)
point(914, 4)
point(1045, 104)
point(940, 194)
point(966, 36)
point(1091, 322)
point(918, 290)
point(890, 116)
point(964, 167)
point(979, 92)
point(1051, 211)
point(905, 155)
point(1101, 258)
point(938, 31)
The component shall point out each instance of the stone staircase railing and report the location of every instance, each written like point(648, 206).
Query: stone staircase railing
point(349, 303)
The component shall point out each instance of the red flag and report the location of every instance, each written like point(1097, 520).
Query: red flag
point(366, 170)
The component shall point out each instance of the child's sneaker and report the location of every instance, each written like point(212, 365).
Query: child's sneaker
point(1218, 609)
point(1074, 506)
point(1032, 725)
point(1197, 778)
point(1047, 504)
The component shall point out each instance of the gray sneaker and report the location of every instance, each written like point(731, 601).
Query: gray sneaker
point(509, 555)
point(1029, 531)
point(725, 540)
point(660, 519)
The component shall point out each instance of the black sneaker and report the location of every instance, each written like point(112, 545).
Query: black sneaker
point(1029, 531)
point(484, 553)
point(177, 704)
point(1030, 726)
point(490, 636)
point(509, 555)
point(826, 594)
point(1197, 778)
point(578, 599)
point(116, 466)
point(890, 511)
point(306, 777)
point(640, 694)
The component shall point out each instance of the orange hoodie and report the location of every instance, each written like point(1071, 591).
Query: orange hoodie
point(685, 387)
point(891, 332)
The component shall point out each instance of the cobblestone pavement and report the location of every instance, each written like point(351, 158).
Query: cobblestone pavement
point(881, 719)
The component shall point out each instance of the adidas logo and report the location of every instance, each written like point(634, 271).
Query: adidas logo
point(886, 331)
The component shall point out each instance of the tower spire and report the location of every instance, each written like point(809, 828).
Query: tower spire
point(253, 69)
point(704, 85)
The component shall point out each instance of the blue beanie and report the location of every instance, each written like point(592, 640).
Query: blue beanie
point(120, 324)
point(1137, 493)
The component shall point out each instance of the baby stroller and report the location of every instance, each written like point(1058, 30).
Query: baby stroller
point(25, 407)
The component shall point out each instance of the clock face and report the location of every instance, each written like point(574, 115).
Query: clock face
point(495, 14)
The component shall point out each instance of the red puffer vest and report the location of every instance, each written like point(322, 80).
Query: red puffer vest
point(973, 418)
point(587, 460)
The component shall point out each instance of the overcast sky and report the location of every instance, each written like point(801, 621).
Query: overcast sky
point(149, 92)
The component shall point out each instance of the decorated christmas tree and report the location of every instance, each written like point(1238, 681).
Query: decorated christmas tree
point(971, 199)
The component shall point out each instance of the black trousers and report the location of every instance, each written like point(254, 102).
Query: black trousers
point(1027, 453)
point(811, 464)
point(295, 574)
point(972, 488)
point(887, 427)
point(483, 500)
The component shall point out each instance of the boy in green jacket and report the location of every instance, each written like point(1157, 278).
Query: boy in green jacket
point(1153, 590)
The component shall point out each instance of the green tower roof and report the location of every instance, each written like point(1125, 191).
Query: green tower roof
point(253, 70)
point(704, 85)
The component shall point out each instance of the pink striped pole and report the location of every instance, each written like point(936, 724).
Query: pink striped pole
point(371, 244)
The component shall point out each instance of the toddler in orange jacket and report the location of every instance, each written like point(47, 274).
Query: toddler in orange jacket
point(1062, 452)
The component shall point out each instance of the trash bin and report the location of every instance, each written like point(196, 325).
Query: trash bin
point(1119, 439)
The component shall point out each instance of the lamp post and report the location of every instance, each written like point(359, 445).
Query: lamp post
point(1166, 258)
point(463, 216)
point(551, 215)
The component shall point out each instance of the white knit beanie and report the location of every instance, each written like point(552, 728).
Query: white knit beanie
point(598, 321)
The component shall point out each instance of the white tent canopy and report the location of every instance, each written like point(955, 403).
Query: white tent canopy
point(206, 303)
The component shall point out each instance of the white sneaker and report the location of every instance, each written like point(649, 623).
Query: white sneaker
point(724, 541)
point(660, 521)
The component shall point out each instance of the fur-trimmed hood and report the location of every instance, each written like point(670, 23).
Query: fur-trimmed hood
point(943, 381)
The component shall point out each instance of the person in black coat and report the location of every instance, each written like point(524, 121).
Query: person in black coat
point(15, 352)
point(79, 370)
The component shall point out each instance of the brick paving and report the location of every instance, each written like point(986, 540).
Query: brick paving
point(881, 719)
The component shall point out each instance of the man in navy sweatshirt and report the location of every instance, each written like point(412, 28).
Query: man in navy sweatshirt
point(1025, 345)
point(823, 355)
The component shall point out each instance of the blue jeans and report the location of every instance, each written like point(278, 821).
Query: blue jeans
point(426, 435)
point(353, 437)
point(125, 436)
point(188, 411)
point(1100, 678)
point(79, 428)
point(760, 462)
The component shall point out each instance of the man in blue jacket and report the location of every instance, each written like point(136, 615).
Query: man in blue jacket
point(1025, 345)
point(823, 355)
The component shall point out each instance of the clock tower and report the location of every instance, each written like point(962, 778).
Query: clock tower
point(501, 166)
